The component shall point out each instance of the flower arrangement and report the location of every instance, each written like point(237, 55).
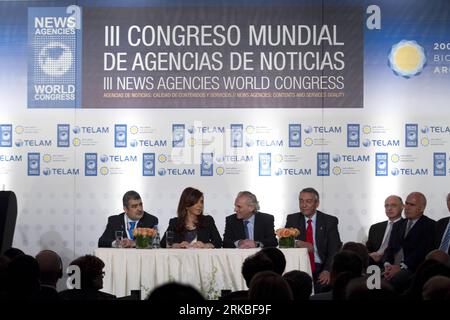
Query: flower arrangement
point(143, 237)
point(287, 237)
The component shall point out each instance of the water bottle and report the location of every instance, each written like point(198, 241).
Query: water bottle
point(156, 240)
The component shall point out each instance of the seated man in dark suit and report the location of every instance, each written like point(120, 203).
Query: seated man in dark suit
point(380, 233)
point(133, 217)
point(320, 237)
point(249, 228)
point(411, 240)
point(442, 238)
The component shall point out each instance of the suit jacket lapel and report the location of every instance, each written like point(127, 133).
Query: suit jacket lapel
point(256, 228)
point(301, 226)
point(319, 229)
point(240, 229)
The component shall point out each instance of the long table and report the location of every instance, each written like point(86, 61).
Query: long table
point(209, 270)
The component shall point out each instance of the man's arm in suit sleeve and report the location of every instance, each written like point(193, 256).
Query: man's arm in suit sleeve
point(108, 236)
point(169, 228)
point(333, 242)
point(369, 243)
point(389, 252)
point(228, 239)
point(269, 233)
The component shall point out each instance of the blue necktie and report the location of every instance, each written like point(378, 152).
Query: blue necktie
point(130, 230)
point(446, 240)
point(247, 236)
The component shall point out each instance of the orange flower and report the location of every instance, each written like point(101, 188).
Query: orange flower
point(144, 232)
point(287, 232)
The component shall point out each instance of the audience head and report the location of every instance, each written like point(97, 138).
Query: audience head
point(91, 269)
point(345, 261)
point(393, 207)
point(50, 266)
point(436, 288)
point(245, 205)
point(426, 270)
point(439, 255)
point(340, 284)
point(415, 205)
point(254, 264)
point(132, 205)
point(360, 250)
point(23, 277)
point(269, 285)
point(300, 283)
point(277, 258)
point(174, 291)
point(308, 201)
point(357, 289)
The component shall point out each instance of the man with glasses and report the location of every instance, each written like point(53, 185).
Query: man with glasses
point(380, 233)
point(318, 233)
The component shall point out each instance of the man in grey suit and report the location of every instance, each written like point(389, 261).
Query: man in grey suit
point(320, 237)
point(249, 228)
point(379, 233)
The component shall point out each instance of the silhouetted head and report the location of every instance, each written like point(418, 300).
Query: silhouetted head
point(174, 291)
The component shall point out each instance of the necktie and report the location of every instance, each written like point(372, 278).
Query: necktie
point(310, 239)
point(386, 238)
point(247, 235)
point(446, 240)
point(130, 230)
point(408, 227)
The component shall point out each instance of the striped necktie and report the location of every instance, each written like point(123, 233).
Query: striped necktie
point(446, 240)
point(130, 230)
point(247, 234)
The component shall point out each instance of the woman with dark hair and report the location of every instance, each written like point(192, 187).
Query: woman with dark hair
point(191, 228)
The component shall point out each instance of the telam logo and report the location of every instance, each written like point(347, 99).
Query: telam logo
point(95, 130)
point(37, 143)
point(206, 129)
point(385, 143)
point(435, 129)
point(61, 171)
point(12, 158)
point(269, 143)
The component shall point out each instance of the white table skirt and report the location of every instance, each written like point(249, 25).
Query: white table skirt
point(209, 270)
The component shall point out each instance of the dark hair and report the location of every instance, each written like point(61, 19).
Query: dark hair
point(360, 250)
point(277, 258)
point(268, 285)
point(313, 191)
point(22, 277)
point(130, 195)
point(188, 198)
point(254, 264)
point(345, 261)
point(91, 267)
point(173, 291)
point(300, 283)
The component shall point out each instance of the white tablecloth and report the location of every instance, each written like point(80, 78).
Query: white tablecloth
point(209, 270)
